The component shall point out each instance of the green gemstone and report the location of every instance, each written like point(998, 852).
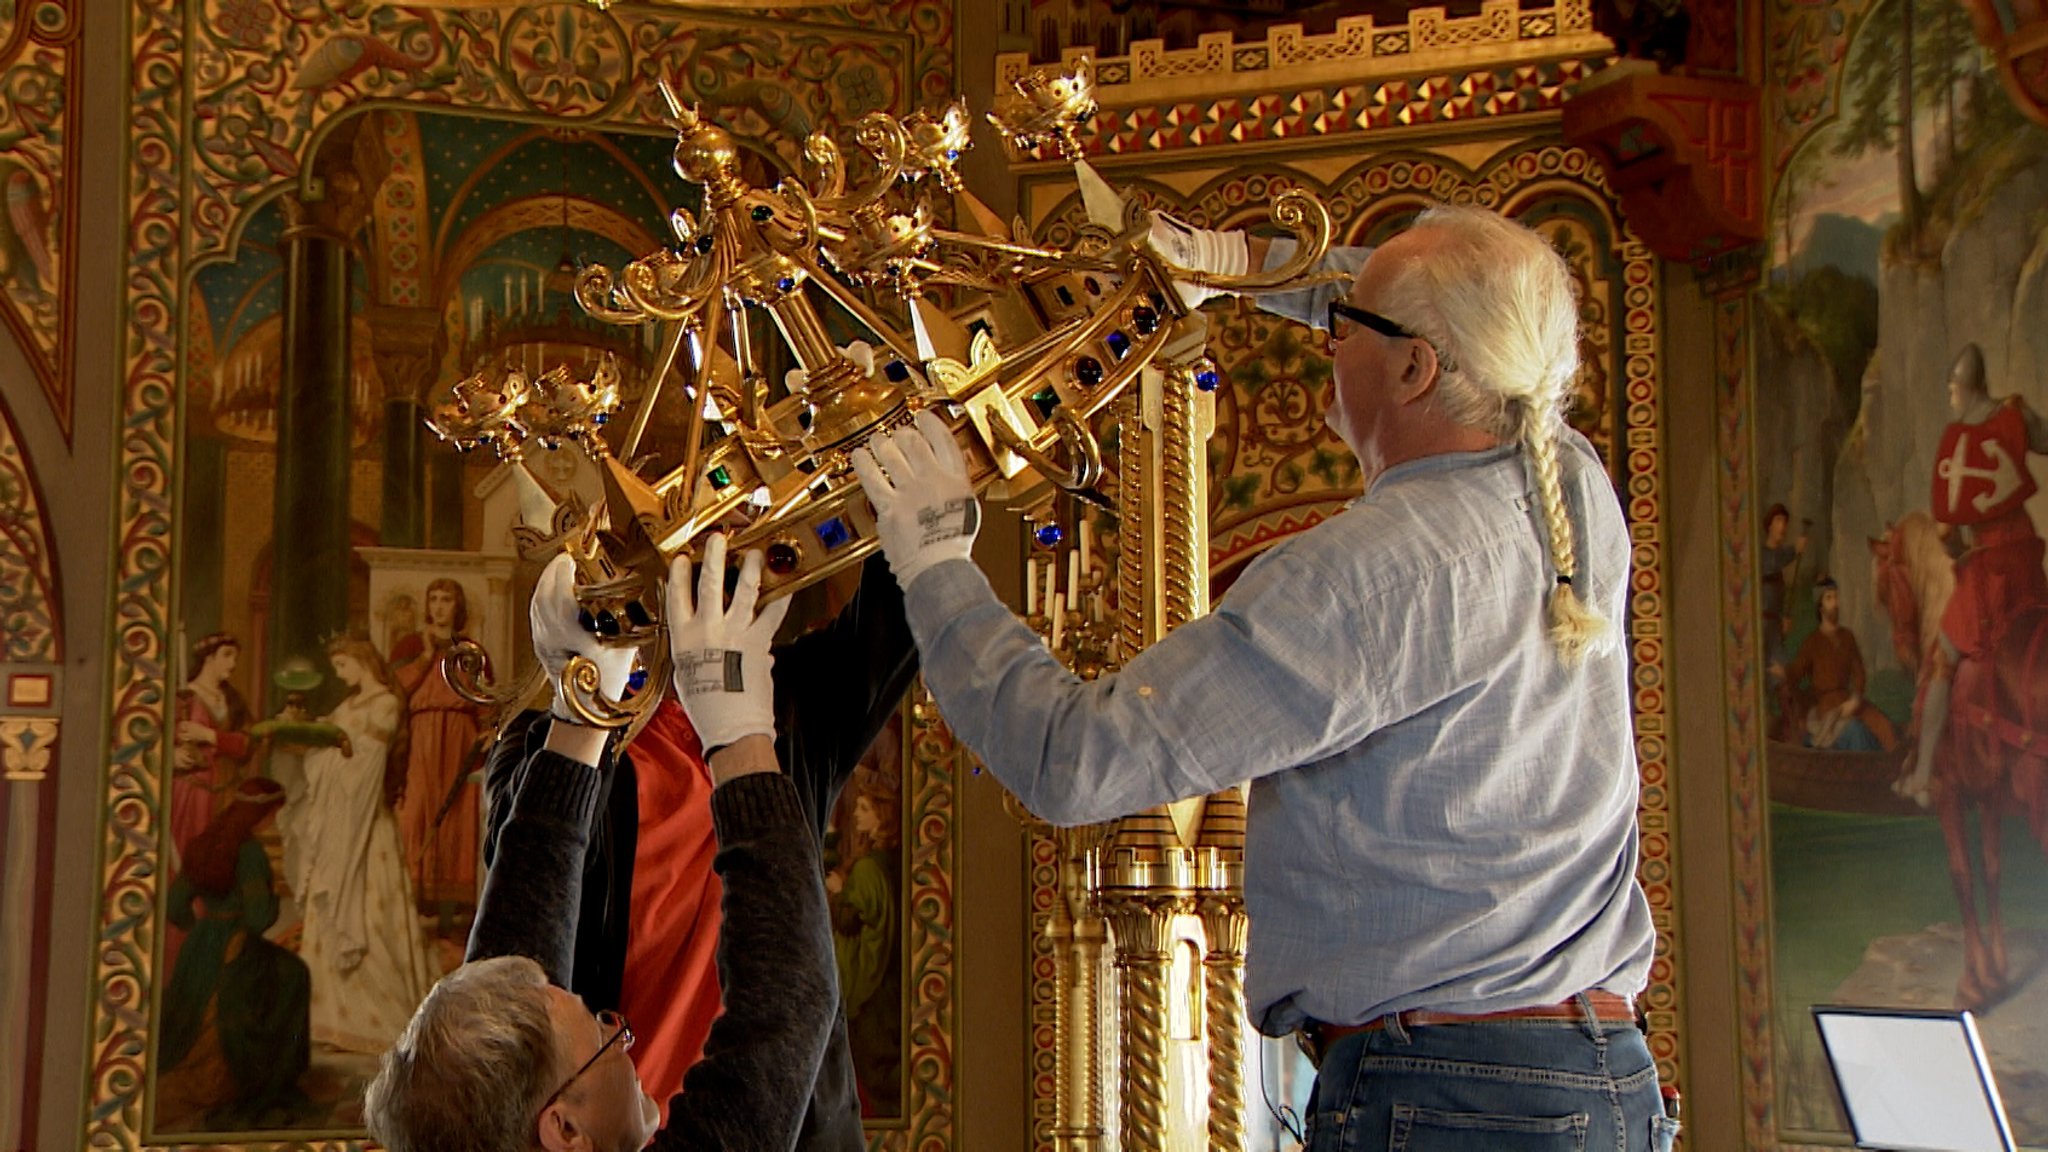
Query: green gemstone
point(720, 478)
point(762, 212)
point(1046, 399)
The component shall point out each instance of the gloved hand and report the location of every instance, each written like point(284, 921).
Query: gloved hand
point(557, 636)
point(1186, 246)
point(924, 506)
point(720, 651)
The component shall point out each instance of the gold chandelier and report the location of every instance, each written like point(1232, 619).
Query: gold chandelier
point(1016, 342)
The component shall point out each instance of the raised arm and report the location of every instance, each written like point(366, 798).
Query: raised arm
point(775, 963)
point(836, 688)
point(775, 960)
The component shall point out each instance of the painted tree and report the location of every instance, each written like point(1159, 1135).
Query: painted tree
point(1909, 55)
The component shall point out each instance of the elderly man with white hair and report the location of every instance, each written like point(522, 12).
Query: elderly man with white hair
point(1426, 692)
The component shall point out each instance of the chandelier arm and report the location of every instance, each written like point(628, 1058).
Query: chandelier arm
point(596, 292)
point(825, 159)
point(1078, 478)
point(846, 298)
point(1022, 251)
point(641, 284)
point(885, 140)
point(583, 690)
point(693, 439)
point(797, 196)
point(1309, 221)
point(678, 332)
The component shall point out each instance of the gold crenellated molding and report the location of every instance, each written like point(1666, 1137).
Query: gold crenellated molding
point(1503, 32)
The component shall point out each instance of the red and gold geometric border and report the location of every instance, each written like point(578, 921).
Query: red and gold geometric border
point(1748, 826)
point(929, 1073)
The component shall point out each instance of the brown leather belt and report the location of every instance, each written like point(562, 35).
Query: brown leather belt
point(1316, 1037)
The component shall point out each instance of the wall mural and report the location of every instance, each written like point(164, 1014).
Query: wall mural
point(378, 201)
point(39, 108)
point(1901, 361)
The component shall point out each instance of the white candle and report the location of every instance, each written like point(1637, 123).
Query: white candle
point(1031, 586)
point(1087, 543)
point(508, 293)
point(522, 294)
point(1074, 575)
point(1059, 607)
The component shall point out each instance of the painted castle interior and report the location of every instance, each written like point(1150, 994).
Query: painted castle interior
point(251, 245)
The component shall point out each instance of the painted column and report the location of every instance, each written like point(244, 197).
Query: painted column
point(310, 533)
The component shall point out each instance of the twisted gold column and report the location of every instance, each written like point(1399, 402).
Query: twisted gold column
point(1080, 1126)
point(1131, 482)
point(1142, 924)
point(1184, 520)
point(1224, 923)
point(1078, 934)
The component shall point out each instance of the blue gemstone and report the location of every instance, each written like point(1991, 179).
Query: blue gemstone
point(1207, 380)
point(600, 418)
point(637, 680)
point(607, 624)
point(785, 284)
point(834, 533)
point(1145, 320)
point(1049, 535)
point(897, 371)
point(1088, 370)
point(704, 242)
point(952, 153)
point(1119, 344)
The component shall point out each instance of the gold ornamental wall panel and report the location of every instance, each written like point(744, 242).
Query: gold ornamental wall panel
point(1375, 153)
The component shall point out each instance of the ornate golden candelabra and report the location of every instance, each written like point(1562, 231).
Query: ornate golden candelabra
point(1054, 336)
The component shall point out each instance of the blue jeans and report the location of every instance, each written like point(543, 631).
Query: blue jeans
point(1504, 1086)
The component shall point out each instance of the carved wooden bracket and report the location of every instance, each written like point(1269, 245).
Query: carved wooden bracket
point(1683, 153)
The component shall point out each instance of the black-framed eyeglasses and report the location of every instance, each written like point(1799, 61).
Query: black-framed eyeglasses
point(1366, 318)
point(621, 1035)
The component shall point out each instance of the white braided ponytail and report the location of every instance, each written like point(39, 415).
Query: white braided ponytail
point(1496, 301)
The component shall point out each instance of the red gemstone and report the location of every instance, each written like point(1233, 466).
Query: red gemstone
point(782, 558)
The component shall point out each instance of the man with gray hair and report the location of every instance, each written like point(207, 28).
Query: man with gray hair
point(499, 1058)
point(1426, 692)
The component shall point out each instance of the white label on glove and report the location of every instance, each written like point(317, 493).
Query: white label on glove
point(710, 670)
point(948, 521)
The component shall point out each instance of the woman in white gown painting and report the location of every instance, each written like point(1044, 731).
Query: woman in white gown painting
point(362, 942)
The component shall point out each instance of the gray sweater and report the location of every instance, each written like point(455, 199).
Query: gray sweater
point(775, 959)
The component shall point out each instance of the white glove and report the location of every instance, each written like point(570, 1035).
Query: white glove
point(720, 651)
point(1186, 246)
point(925, 509)
point(557, 635)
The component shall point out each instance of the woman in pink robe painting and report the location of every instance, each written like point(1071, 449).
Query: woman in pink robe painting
point(439, 817)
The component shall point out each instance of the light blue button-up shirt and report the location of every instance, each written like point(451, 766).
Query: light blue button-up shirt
point(1441, 815)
